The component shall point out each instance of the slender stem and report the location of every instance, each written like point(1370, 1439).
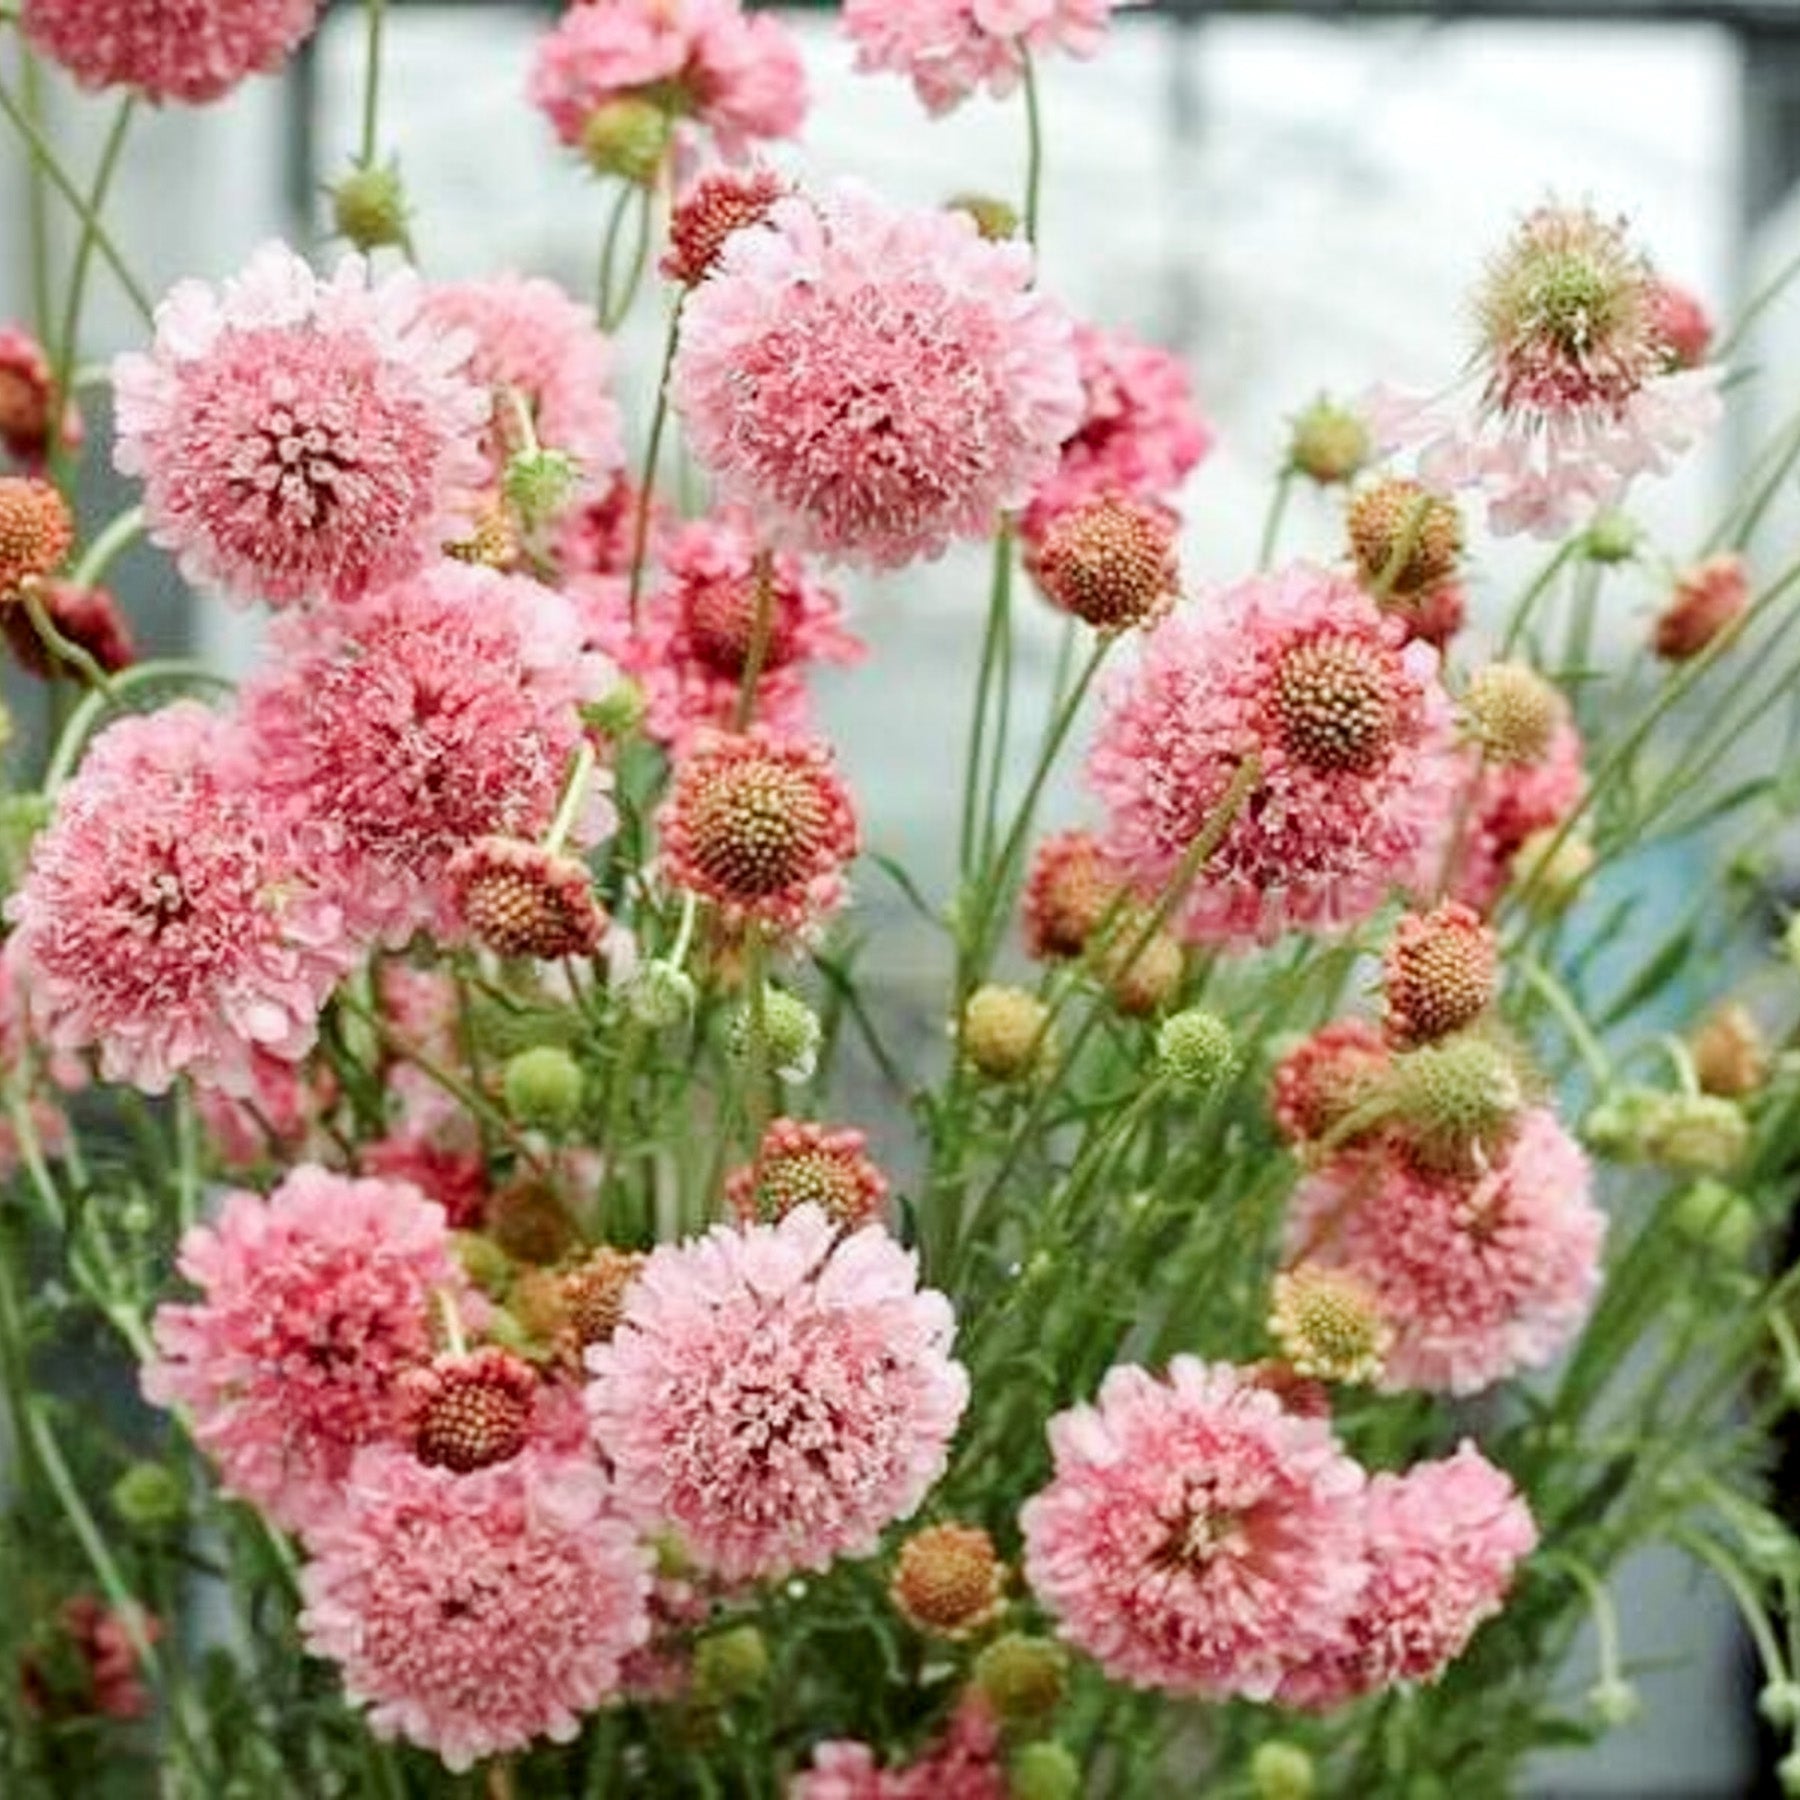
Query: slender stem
point(762, 628)
point(1568, 1015)
point(614, 316)
point(120, 533)
point(44, 158)
point(68, 339)
point(375, 17)
point(659, 417)
point(999, 603)
point(1600, 1606)
point(61, 647)
point(609, 249)
point(575, 791)
point(1527, 604)
point(1271, 531)
point(1750, 1608)
point(1034, 148)
point(31, 82)
point(756, 1062)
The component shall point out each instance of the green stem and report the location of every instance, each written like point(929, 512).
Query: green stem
point(36, 202)
point(575, 791)
point(1527, 603)
point(1750, 1608)
point(1034, 148)
point(120, 533)
point(756, 1061)
point(375, 17)
point(999, 604)
point(60, 647)
point(1568, 1015)
point(762, 627)
point(68, 339)
point(1600, 1606)
point(81, 721)
point(609, 250)
point(659, 416)
point(614, 315)
point(44, 158)
point(1278, 505)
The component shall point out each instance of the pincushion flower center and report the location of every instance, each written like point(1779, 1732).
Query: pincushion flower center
point(1334, 705)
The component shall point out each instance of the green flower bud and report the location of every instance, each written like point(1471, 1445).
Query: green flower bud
point(1022, 1678)
point(1779, 1703)
point(627, 137)
point(368, 208)
point(1611, 538)
point(542, 1087)
point(150, 1497)
point(1459, 1098)
point(1698, 1132)
point(1044, 1771)
point(1197, 1049)
point(483, 1261)
point(791, 1030)
point(1282, 1771)
point(1787, 1772)
point(1716, 1219)
point(539, 483)
point(994, 219)
point(1614, 1702)
point(618, 712)
point(730, 1665)
point(1004, 1032)
point(659, 995)
point(1329, 443)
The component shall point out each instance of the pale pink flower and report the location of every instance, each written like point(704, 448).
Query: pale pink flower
point(300, 438)
point(439, 711)
point(166, 920)
point(1682, 323)
point(1355, 771)
point(535, 345)
point(1196, 1536)
point(872, 383)
point(1141, 433)
point(1578, 396)
point(314, 1302)
point(964, 1764)
point(1479, 1275)
point(1511, 802)
point(776, 1395)
point(715, 69)
point(951, 48)
point(696, 620)
point(472, 1614)
point(273, 1122)
point(1443, 1540)
point(169, 52)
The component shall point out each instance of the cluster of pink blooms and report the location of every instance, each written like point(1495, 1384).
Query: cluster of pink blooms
point(951, 48)
point(690, 644)
point(872, 384)
point(164, 52)
point(964, 1764)
point(1588, 378)
point(1298, 691)
point(711, 66)
point(1200, 1536)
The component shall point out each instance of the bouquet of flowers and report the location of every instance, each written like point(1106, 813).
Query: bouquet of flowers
point(1344, 1218)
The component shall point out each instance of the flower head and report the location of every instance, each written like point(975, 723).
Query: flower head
point(1509, 805)
point(165, 52)
point(520, 899)
point(1139, 433)
point(1440, 973)
point(1298, 679)
point(761, 829)
point(1480, 1274)
point(690, 645)
point(410, 726)
point(952, 48)
point(473, 1613)
point(1709, 600)
point(1443, 1540)
point(873, 383)
point(1327, 1325)
point(799, 1163)
point(1196, 1536)
point(1405, 540)
point(166, 920)
point(719, 203)
point(699, 66)
point(299, 437)
point(36, 532)
point(1682, 325)
point(775, 1395)
point(949, 1580)
point(534, 347)
point(1109, 561)
point(1513, 713)
point(466, 1412)
point(313, 1304)
point(1325, 1078)
point(1068, 894)
point(28, 415)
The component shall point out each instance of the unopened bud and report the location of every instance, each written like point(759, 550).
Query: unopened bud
point(369, 210)
point(627, 137)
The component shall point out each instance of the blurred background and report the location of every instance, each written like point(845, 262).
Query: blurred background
point(1295, 197)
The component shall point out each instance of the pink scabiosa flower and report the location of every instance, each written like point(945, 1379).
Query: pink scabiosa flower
point(1577, 397)
point(714, 206)
point(1512, 802)
point(706, 65)
point(1196, 1536)
point(873, 384)
point(1140, 433)
point(1068, 894)
point(1354, 768)
point(596, 542)
point(776, 1395)
point(762, 829)
point(300, 438)
point(473, 1613)
point(1324, 1078)
point(93, 1670)
point(28, 400)
point(165, 52)
point(966, 1763)
point(1682, 323)
point(314, 1303)
point(1709, 600)
point(692, 641)
point(274, 1122)
point(165, 920)
point(438, 712)
point(1443, 1541)
point(951, 48)
point(799, 1163)
point(1480, 1275)
point(534, 347)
